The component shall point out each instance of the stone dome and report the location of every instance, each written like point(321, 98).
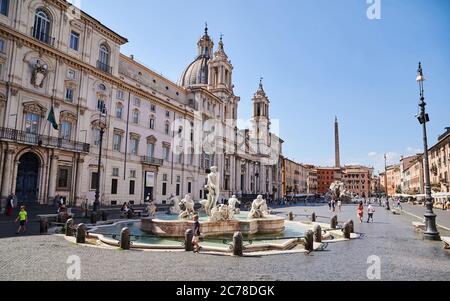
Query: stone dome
point(197, 71)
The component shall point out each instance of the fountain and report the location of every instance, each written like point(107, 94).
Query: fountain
point(219, 220)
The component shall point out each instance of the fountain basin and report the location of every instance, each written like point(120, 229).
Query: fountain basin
point(177, 228)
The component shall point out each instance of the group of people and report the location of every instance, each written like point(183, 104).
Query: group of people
point(370, 212)
point(332, 205)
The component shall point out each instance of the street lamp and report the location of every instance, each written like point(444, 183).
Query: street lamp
point(431, 232)
point(102, 126)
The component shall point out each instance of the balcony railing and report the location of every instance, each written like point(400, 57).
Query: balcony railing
point(42, 36)
point(44, 141)
point(104, 67)
point(152, 161)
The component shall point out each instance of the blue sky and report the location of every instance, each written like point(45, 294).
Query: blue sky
point(319, 58)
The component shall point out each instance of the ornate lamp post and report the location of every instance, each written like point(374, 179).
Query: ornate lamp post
point(102, 125)
point(431, 232)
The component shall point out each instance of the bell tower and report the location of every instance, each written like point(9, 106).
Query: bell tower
point(261, 119)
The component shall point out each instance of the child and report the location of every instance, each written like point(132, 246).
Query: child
point(22, 219)
point(196, 238)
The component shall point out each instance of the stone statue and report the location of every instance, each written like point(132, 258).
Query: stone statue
point(221, 213)
point(213, 187)
point(232, 204)
point(39, 74)
point(151, 208)
point(259, 208)
point(175, 209)
point(338, 192)
point(187, 207)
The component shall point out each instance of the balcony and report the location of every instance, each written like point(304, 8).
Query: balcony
point(43, 141)
point(43, 37)
point(151, 161)
point(104, 67)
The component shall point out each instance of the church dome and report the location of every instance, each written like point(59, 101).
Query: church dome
point(197, 71)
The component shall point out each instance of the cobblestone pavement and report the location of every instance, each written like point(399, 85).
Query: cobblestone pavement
point(403, 253)
point(442, 219)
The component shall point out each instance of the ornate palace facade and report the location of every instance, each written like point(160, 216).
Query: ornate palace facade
point(160, 137)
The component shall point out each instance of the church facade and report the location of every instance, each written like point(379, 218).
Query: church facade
point(160, 138)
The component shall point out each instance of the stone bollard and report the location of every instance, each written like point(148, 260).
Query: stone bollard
point(93, 217)
point(189, 235)
point(104, 216)
point(290, 216)
point(313, 217)
point(81, 234)
point(69, 227)
point(43, 226)
point(334, 222)
point(238, 244)
point(347, 230)
point(317, 233)
point(125, 241)
point(309, 241)
point(352, 226)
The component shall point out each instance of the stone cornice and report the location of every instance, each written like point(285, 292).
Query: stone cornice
point(24, 40)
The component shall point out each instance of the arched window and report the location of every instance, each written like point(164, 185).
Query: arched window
point(103, 58)
point(42, 25)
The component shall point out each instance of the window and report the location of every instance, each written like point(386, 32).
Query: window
point(132, 173)
point(74, 40)
point(120, 94)
point(152, 108)
point(152, 123)
point(69, 94)
point(94, 180)
point(103, 58)
point(119, 111)
point(150, 150)
point(164, 189)
point(134, 146)
point(166, 152)
point(2, 45)
point(117, 142)
point(189, 187)
point(41, 29)
point(4, 7)
point(114, 183)
point(32, 123)
point(137, 102)
point(178, 189)
point(115, 172)
point(136, 117)
point(66, 130)
point(166, 128)
point(132, 187)
point(64, 177)
point(167, 114)
point(165, 177)
point(101, 107)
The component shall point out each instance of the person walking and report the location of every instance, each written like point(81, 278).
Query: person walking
point(370, 211)
point(360, 212)
point(197, 233)
point(339, 203)
point(10, 205)
point(22, 219)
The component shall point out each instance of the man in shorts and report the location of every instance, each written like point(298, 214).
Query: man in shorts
point(196, 238)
